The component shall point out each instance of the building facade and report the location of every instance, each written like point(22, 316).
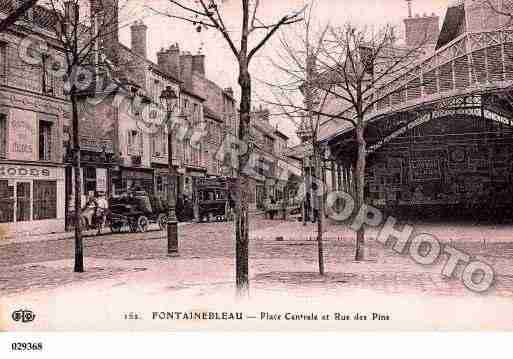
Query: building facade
point(448, 151)
point(33, 113)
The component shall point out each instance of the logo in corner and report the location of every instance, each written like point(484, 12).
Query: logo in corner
point(23, 315)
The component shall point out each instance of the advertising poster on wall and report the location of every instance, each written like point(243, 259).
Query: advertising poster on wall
point(22, 135)
point(101, 179)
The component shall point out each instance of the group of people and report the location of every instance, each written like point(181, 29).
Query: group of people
point(95, 210)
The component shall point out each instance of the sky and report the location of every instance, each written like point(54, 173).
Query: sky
point(220, 63)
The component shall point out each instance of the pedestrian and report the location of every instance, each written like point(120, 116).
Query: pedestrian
point(272, 210)
point(89, 210)
point(102, 208)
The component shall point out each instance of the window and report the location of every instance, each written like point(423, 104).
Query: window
point(159, 144)
point(48, 80)
point(159, 184)
point(89, 180)
point(23, 201)
point(195, 118)
point(3, 62)
point(3, 136)
point(45, 200)
point(187, 151)
point(45, 141)
point(134, 143)
point(6, 202)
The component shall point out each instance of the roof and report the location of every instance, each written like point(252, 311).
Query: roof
point(454, 18)
point(191, 93)
point(208, 112)
point(158, 70)
point(281, 134)
point(152, 66)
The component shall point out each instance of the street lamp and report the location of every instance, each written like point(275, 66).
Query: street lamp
point(169, 100)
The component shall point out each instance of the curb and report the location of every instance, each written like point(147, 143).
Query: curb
point(60, 236)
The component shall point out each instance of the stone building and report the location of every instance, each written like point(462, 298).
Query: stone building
point(271, 168)
point(33, 113)
point(221, 106)
point(140, 135)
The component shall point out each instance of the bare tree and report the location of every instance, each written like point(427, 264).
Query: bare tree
point(16, 14)
point(83, 36)
point(350, 68)
point(296, 95)
point(208, 14)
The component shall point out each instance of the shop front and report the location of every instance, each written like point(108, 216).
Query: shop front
point(161, 185)
point(31, 199)
point(189, 180)
point(456, 165)
point(132, 179)
point(32, 177)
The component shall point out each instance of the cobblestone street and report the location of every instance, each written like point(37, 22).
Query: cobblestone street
point(383, 270)
point(123, 271)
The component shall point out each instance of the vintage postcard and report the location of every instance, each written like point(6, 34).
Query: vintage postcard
point(246, 165)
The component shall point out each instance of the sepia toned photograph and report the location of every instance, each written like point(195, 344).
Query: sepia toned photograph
point(255, 165)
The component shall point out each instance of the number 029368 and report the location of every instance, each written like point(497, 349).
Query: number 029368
point(18, 346)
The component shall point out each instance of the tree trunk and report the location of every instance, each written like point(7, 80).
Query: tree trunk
point(79, 249)
point(320, 215)
point(359, 181)
point(241, 212)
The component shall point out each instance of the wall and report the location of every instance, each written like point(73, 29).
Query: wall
point(421, 30)
point(480, 16)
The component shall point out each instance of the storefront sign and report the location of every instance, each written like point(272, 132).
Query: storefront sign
point(419, 121)
point(425, 169)
point(22, 134)
point(33, 103)
point(30, 172)
point(101, 179)
point(137, 175)
point(96, 145)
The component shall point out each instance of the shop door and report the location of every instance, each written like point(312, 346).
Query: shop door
point(90, 181)
point(23, 201)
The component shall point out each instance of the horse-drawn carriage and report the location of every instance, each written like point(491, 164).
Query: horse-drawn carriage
point(135, 212)
point(214, 200)
point(132, 212)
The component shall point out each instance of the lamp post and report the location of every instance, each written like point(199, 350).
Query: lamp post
point(169, 100)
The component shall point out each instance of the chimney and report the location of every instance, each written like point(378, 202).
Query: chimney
point(106, 14)
point(169, 60)
point(186, 69)
point(139, 43)
point(229, 91)
point(28, 15)
point(70, 11)
point(198, 64)
point(174, 60)
point(421, 30)
point(409, 8)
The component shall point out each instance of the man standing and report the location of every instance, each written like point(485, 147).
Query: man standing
point(102, 208)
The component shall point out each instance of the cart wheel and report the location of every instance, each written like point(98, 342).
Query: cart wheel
point(162, 221)
point(115, 227)
point(142, 224)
